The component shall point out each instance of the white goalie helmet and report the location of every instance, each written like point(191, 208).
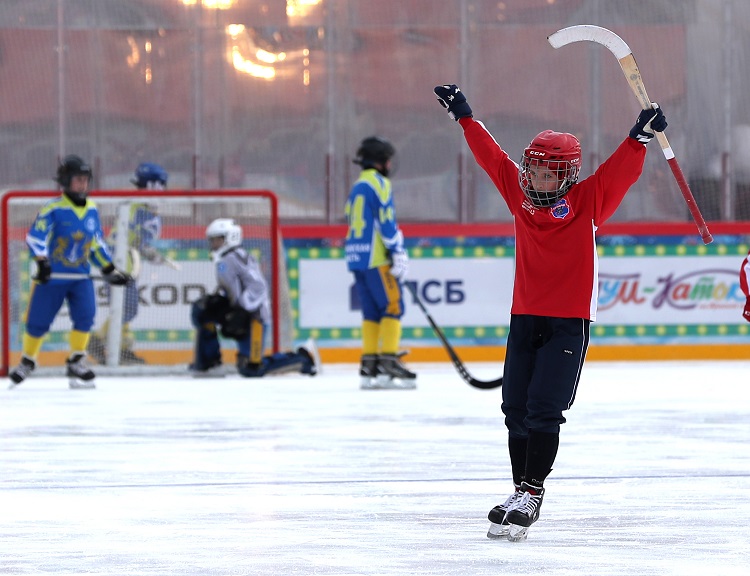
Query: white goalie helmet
point(227, 229)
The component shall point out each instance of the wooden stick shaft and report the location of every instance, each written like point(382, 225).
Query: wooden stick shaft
point(633, 75)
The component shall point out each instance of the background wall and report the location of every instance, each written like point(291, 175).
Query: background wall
point(277, 94)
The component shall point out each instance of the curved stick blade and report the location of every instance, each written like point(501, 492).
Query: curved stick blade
point(590, 33)
point(458, 365)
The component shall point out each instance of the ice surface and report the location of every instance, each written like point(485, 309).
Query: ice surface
point(293, 475)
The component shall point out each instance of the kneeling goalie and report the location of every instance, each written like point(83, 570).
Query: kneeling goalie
point(239, 309)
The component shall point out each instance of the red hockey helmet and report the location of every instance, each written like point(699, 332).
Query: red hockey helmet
point(560, 153)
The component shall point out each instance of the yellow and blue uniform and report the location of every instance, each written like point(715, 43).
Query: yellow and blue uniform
point(144, 228)
point(372, 235)
point(71, 238)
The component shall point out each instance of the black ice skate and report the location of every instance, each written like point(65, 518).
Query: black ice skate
point(21, 372)
point(130, 358)
point(80, 376)
point(525, 512)
point(393, 375)
point(212, 369)
point(368, 372)
point(499, 525)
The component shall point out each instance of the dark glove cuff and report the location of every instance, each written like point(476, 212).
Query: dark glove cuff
point(108, 269)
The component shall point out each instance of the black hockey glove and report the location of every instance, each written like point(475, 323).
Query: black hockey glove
point(213, 307)
point(43, 271)
point(115, 277)
point(648, 121)
point(236, 323)
point(452, 99)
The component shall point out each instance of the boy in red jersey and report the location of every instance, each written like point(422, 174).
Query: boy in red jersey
point(555, 285)
point(745, 285)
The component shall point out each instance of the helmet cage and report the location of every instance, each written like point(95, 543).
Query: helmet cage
point(559, 153)
point(567, 175)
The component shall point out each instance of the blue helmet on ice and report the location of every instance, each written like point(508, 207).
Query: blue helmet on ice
point(150, 175)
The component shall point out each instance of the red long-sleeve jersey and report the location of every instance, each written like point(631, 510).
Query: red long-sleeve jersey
point(556, 262)
point(745, 275)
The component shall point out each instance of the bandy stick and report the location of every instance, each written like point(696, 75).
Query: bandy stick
point(624, 55)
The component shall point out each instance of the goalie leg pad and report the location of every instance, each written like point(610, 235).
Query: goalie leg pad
point(207, 348)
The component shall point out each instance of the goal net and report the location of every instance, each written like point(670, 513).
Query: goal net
point(145, 327)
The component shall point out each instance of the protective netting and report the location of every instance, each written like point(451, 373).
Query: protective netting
point(276, 95)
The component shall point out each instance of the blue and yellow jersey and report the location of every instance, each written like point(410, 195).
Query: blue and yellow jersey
point(69, 235)
point(373, 230)
point(144, 226)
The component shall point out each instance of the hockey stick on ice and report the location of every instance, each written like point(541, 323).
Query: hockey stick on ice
point(618, 47)
point(463, 372)
point(172, 264)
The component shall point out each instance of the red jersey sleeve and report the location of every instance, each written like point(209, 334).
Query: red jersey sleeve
point(615, 176)
point(745, 276)
point(494, 160)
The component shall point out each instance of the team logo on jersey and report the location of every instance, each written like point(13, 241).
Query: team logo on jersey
point(89, 224)
point(529, 207)
point(561, 209)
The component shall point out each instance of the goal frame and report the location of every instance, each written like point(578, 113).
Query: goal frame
point(43, 195)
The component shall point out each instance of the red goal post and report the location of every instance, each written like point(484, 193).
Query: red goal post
point(161, 332)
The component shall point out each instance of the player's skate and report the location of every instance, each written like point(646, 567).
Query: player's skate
point(310, 350)
point(80, 376)
point(214, 369)
point(21, 372)
point(499, 525)
point(130, 358)
point(368, 372)
point(393, 375)
point(525, 512)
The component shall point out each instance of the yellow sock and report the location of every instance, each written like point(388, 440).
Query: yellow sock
point(370, 337)
point(78, 342)
point(390, 332)
point(32, 345)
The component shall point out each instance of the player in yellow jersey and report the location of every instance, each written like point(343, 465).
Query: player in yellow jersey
point(375, 254)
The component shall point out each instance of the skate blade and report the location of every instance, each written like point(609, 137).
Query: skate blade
point(14, 384)
point(78, 384)
point(220, 371)
point(385, 382)
point(367, 383)
point(498, 531)
point(517, 533)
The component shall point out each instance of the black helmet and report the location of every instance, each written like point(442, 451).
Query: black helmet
point(374, 150)
point(70, 166)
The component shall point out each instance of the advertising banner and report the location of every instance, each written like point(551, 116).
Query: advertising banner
point(646, 294)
